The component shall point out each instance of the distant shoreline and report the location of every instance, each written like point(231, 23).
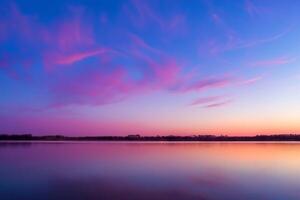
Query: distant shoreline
point(169, 138)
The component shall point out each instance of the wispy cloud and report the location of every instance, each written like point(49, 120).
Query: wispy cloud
point(142, 15)
point(20, 23)
point(70, 59)
point(250, 81)
point(251, 8)
point(91, 87)
point(208, 83)
point(138, 42)
point(273, 62)
point(206, 100)
point(146, 13)
point(256, 42)
point(53, 59)
point(68, 41)
point(249, 43)
point(220, 22)
point(211, 101)
point(6, 65)
point(219, 104)
point(233, 42)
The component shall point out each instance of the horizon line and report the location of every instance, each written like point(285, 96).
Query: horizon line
point(137, 137)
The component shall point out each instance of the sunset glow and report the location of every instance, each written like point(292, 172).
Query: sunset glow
point(149, 67)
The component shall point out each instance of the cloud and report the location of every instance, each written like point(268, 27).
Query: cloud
point(273, 62)
point(233, 42)
point(221, 23)
point(207, 83)
point(142, 14)
point(22, 24)
point(70, 59)
point(146, 13)
point(54, 59)
point(219, 104)
point(206, 100)
point(256, 42)
point(251, 8)
point(8, 65)
point(63, 42)
point(96, 86)
point(250, 80)
point(141, 43)
point(178, 22)
point(71, 32)
point(211, 101)
point(70, 40)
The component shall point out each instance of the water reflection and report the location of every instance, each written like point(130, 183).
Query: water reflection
point(94, 170)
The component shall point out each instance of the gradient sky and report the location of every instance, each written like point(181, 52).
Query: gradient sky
point(87, 67)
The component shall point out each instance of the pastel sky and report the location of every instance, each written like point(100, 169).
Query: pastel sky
point(86, 67)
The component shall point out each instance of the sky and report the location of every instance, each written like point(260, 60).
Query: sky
point(86, 67)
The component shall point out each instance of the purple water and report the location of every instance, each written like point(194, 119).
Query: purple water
point(119, 170)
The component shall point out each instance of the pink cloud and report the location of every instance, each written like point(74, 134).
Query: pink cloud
point(208, 83)
point(98, 87)
point(206, 100)
point(218, 104)
point(250, 80)
point(91, 87)
point(72, 40)
point(58, 42)
point(211, 101)
point(70, 59)
point(70, 33)
point(74, 34)
point(17, 24)
point(273, 62)
point(167, 73)
point(60, 59)
point(163, 69)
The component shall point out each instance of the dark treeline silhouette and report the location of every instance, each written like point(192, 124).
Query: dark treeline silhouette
point(29, 137)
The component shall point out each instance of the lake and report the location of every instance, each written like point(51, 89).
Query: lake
point(162, 170)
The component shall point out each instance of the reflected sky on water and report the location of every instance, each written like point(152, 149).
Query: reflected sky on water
point(99, 170)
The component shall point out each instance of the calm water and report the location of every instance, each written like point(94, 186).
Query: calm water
point(203, 171)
